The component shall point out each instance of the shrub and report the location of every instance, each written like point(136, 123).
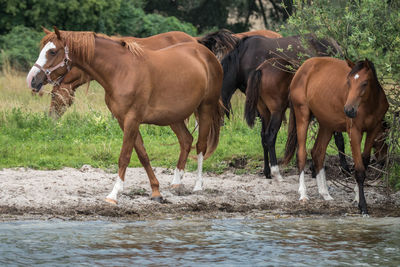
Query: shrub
point(20, 47)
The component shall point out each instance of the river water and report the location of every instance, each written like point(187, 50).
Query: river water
point(189, 242)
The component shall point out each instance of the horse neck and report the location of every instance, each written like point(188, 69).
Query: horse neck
point(101, 68)
point(229, 84)
point(376, 95)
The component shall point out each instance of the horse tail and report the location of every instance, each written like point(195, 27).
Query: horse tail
point(252, 95)
point(291, 142)
point(213, 135)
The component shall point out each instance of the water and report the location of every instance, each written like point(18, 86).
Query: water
point(229, 242)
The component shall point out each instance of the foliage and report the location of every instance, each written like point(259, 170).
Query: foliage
point(20, 47)
point(364, 29)
point(21, 23)
point(211, 14)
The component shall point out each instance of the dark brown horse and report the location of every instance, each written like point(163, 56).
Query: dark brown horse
point(241, 70)
point(223, 41)
point(62, 95)
point(343, 97)
point(142, 87)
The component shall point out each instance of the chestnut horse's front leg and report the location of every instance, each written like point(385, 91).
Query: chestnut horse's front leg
point(132, 138)
point(355, 141)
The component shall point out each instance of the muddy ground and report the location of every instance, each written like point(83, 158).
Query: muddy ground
point(79, 195)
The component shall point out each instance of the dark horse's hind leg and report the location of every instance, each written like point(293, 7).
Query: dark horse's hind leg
point(339, 141)
point(272, 132)
point(267, 170)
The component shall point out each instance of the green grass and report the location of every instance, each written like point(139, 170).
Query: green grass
point(87, 134)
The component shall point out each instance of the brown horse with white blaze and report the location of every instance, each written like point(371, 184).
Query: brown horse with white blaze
point(161, 87)
point(342, 96)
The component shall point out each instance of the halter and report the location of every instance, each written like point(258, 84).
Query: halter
point(59, 65)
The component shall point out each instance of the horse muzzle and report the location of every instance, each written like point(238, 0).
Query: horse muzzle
point(350, 112)
point(36, 85)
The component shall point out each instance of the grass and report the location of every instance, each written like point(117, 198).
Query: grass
point(87, 134)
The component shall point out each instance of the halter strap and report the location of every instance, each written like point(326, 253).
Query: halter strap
point(59, 65)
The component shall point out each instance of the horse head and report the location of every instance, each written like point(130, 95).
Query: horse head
point(361, 81)
point(52, 64)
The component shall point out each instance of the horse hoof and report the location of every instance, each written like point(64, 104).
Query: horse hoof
point(327, 197)
point(303, 199)
point(176, 186)
point(158, 199)
point(111, 201)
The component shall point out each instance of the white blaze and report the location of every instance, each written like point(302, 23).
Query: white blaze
point(41, 61)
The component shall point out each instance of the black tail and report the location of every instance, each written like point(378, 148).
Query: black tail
point(291, 142)
point(252, 95)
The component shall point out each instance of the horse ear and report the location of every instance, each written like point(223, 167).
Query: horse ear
point(367, 63)
point(350, 63)
point(46, 31)
point(57, 32)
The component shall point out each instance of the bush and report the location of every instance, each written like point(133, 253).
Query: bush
point(20, 47)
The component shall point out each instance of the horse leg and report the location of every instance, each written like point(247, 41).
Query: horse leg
point(302, 113)
point(355, 141)
point(318, 156)
point(205, 115)
point(272, 132)
point(267, 170)
point(339, 141)
point(366, 155)
point(144, 159)
point(185, 142)
point(130, 133)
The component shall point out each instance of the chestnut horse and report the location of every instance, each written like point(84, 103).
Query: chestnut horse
point(240, 68)
point(62, 95)
point(342, 96)
point(267, 95)
point(142, 87)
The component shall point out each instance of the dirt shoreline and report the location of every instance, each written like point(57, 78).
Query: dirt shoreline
point(72, 194)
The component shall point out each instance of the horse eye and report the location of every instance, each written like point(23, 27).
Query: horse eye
point(52, 52)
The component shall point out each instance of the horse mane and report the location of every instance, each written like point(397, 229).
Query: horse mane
point(83, 43)
point(324, 46)
point(129, 42)
point(80, 43)
point(219, 42)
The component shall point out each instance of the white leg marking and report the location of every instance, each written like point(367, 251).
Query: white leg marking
point(275, 173)
point(118, 187)
point(357, 194)
point(302, 187)
point(199, 181)
point(41, 61)
point(322, 186)
point(178, 174)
